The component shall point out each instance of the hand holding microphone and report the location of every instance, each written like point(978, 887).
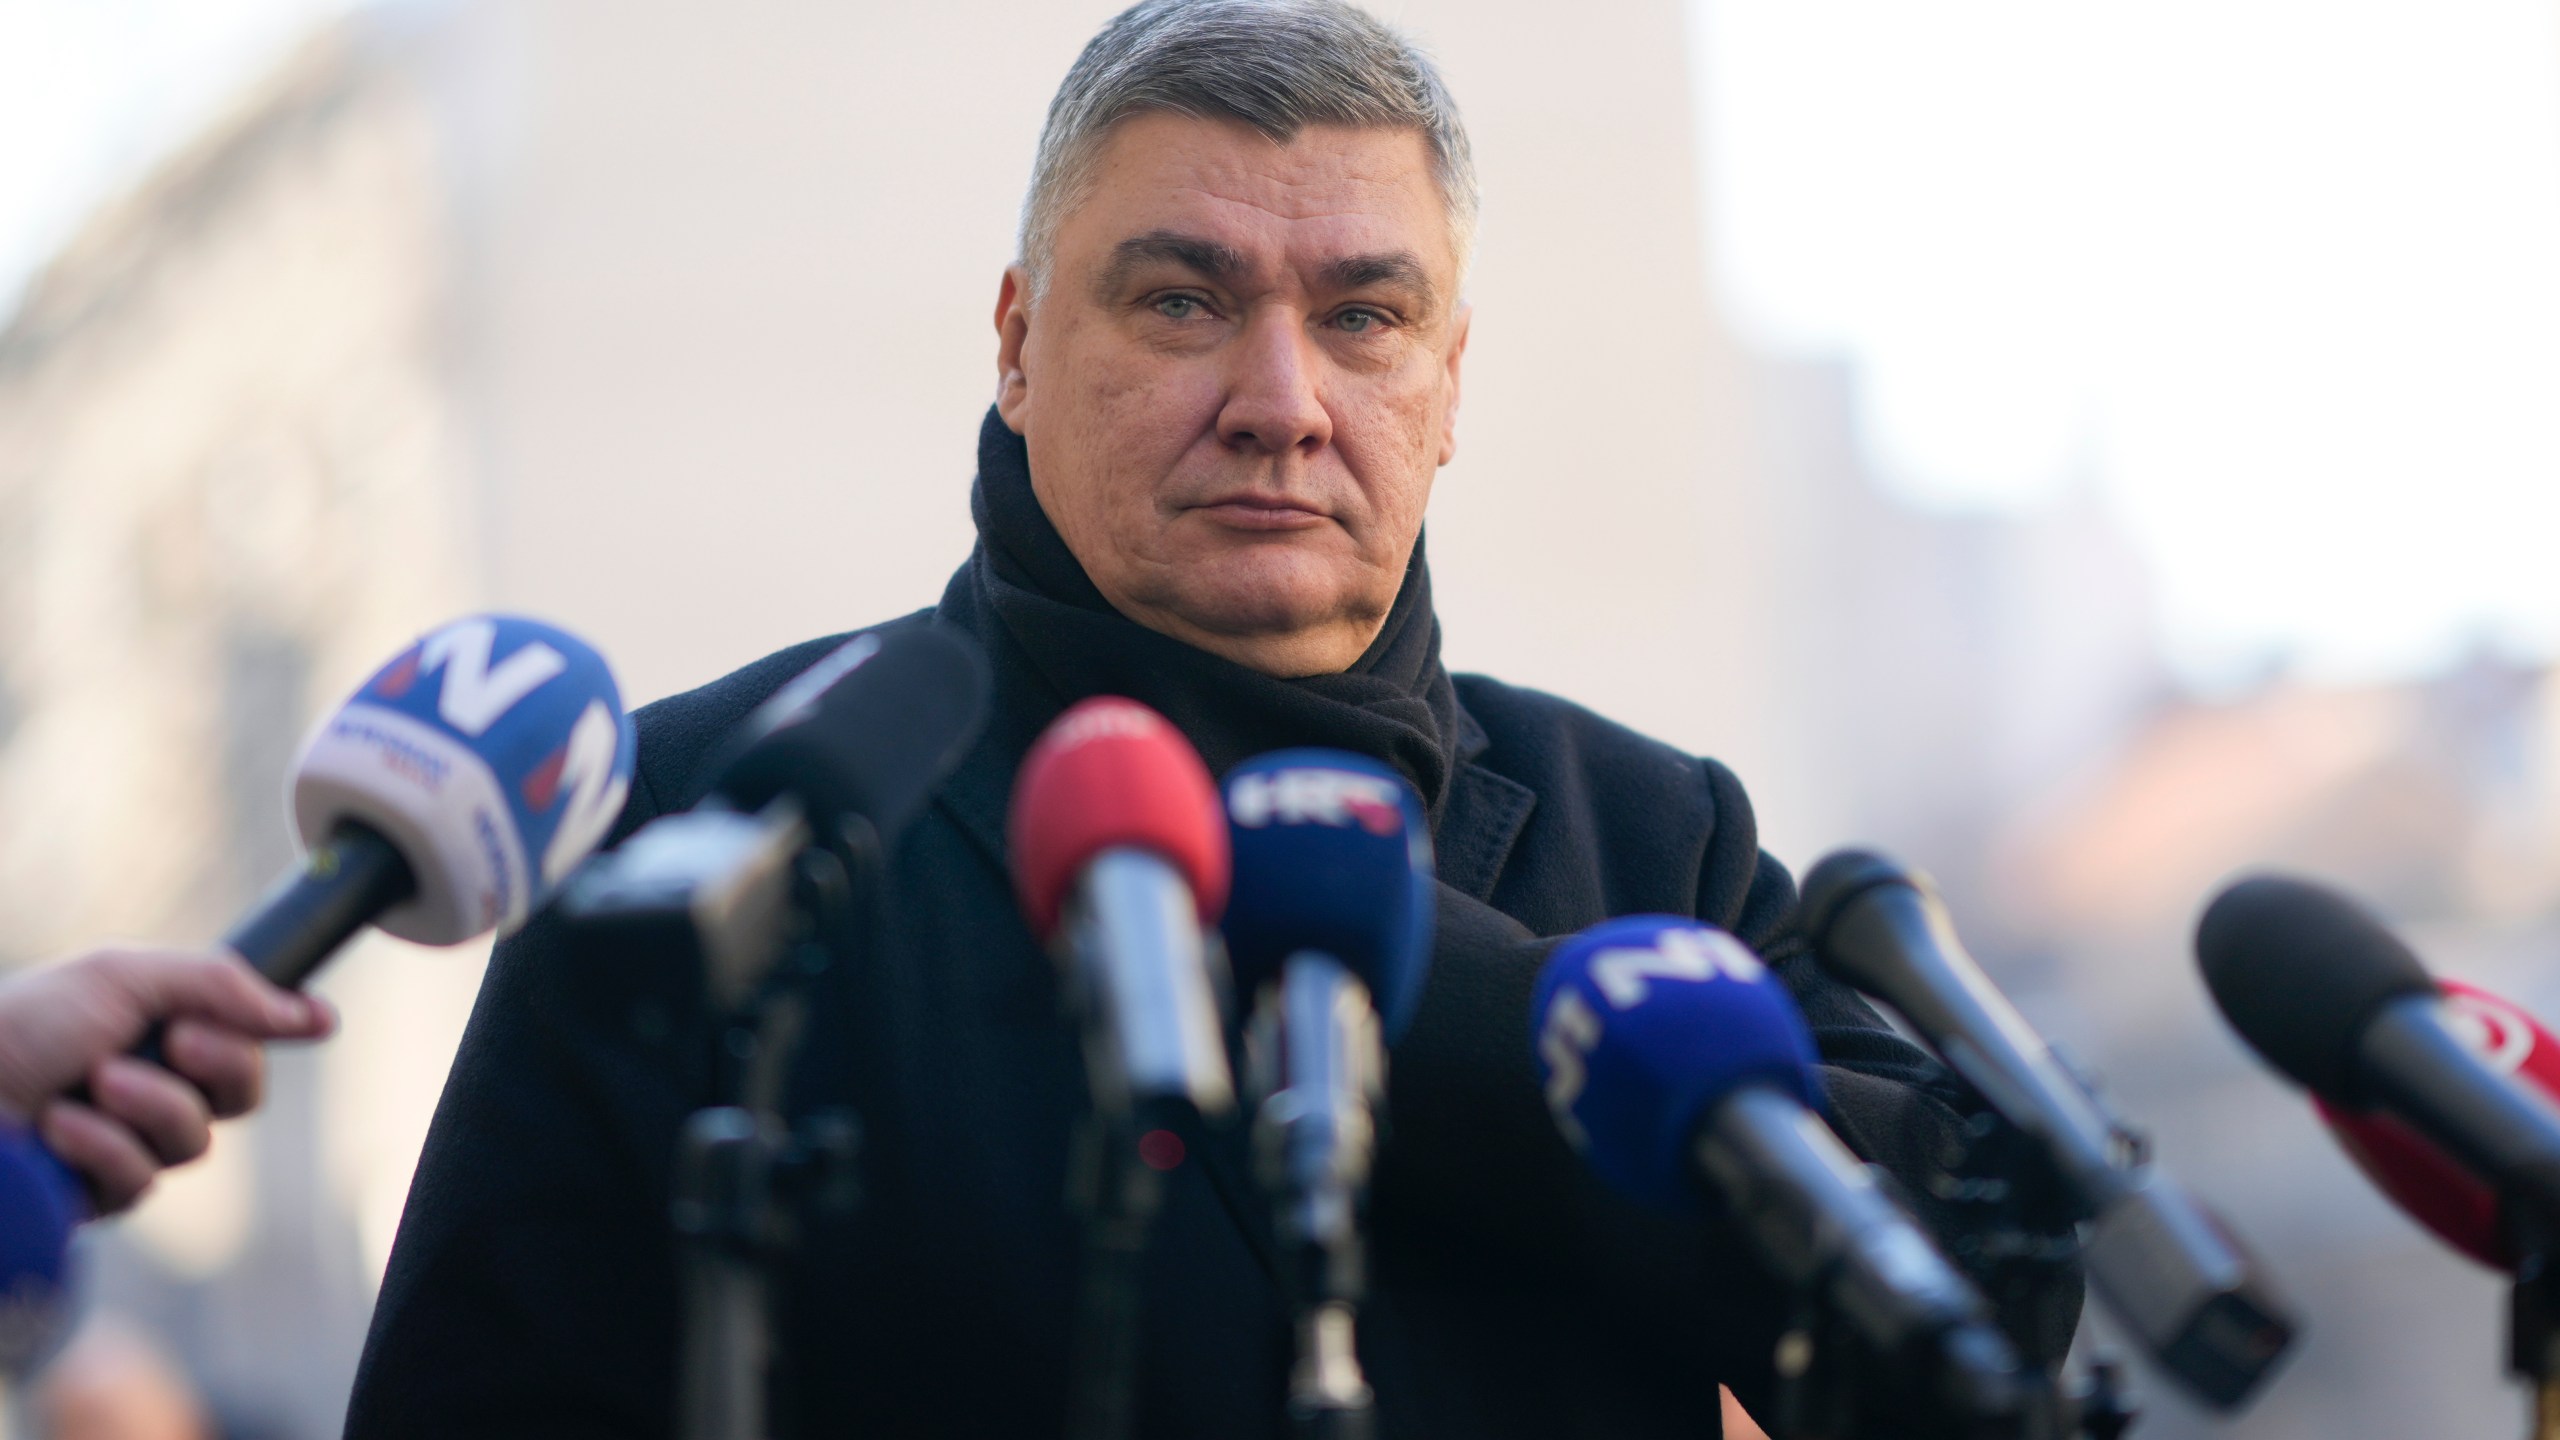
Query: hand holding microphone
point(69, 1024)
point(448, 797)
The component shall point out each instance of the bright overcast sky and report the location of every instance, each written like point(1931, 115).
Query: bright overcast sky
point(2285, 273)
point(92, 91)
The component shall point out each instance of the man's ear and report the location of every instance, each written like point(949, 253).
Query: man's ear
point(1458, 325)
point(1013, 331)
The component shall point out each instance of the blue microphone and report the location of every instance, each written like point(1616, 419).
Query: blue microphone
point(448, 797)
point(1683, 1072)
point(1332, 856)
point(1329, 927)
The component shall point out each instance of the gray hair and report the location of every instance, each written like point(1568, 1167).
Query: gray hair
point(1276, 65)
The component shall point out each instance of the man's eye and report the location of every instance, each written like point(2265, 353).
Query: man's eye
point(1178, 307)
point(1359, 322)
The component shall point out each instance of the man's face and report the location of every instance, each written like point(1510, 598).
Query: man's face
point(1239, 380)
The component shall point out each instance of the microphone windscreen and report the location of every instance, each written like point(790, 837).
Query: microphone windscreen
point(41, 1203)
point(2300, 971)
point(868, 731)
point(1111, 773)
point(1642, 1026)
point(1838, 879)
point(2430, 1185)
point(493, 754)
point(1332, 854)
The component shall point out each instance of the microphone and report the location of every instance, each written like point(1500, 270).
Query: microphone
point(2437, 1192)
point(866, 733)
point(2328, 995)
point(703, 904)
point(1682, 1071)
point(2333, 999)
point(1330, 929)
point(1119, 863)
point(448, 797)
point(2170, 1270)
point(1119, 860)
point(849, 751)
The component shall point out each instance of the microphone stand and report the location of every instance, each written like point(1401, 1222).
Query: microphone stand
point(2025, 1228)
point(749, 909)
point(2533, 1325)
point(1320, 1065)
point(1147, 1090)
point(1823, 1393)
point(1118, 1192)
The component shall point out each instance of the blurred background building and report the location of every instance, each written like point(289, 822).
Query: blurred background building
point(671, 325)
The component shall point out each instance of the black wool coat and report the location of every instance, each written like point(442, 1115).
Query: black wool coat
point(532, 1290)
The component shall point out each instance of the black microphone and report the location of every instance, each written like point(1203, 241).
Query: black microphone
point(696, 910)
point(2333, 999)
point(848, 753)
point(2171, 1271)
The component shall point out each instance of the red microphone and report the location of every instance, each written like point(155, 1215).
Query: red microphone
point(1120, 860)
point(2437, 1192)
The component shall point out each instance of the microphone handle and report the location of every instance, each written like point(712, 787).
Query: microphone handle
point(1821, 1221)
point(1895, 942)
point(349, 880)
point(2414, 1064)
point(1141, 962)
point(1316, 1137)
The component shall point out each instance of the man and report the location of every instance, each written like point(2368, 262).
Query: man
point(70, 1024)
point(1228, 365)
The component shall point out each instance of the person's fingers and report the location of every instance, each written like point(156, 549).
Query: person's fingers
point(111, 1158)
point(214, 986)
point(229, 1067)
point(165, 1111)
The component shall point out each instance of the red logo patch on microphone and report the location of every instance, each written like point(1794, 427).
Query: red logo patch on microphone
point(2496, 1030)
point(543, 785)
point(1377, 816)
point(403, 674)
point(2436, 1190)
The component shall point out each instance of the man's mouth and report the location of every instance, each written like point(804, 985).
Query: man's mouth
point(1262, 512)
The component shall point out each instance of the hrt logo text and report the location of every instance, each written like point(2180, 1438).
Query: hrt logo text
point(1315, 797)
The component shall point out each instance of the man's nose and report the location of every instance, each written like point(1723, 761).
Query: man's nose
point(1274, 404)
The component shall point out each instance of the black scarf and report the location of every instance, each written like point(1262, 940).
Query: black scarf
point(1395, 703)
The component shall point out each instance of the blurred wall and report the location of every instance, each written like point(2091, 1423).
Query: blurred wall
point(229, 486)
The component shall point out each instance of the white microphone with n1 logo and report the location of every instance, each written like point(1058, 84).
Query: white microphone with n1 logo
point(448, 797)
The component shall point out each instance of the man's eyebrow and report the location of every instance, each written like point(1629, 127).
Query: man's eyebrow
point(1205, 258)
point(1387, 267)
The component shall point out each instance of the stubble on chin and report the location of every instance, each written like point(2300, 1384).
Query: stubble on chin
point(1262, 592)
